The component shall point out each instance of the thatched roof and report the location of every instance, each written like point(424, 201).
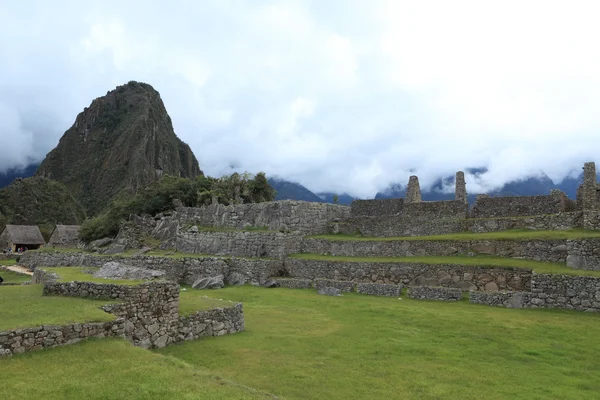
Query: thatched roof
point(64, 234)
point(24, 234)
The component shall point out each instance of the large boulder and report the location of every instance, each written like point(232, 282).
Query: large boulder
point(211, 282)
point(236, 279)
point(329, 291)
point(116, 270)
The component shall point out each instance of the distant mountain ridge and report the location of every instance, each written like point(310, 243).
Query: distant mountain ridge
point(119, 144)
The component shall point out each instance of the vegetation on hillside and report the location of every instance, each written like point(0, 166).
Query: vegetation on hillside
point(39, 201)
point(159, 196)
point(120, 144)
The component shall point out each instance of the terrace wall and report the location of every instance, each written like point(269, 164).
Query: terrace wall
point(493, 207)
point(580, 293)
point(411, 274)
point(184, 270)
point(241, 244)
point(540, 250)
point(286, 215)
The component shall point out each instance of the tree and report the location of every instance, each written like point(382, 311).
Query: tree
point(336, 199)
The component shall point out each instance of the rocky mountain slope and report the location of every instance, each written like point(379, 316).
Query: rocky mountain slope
point(39, 201)
point(119, 144)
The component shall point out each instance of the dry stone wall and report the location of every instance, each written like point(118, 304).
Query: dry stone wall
point(344, 286)
point(493, 207)
point(559, 221)
point(379, 289)
point(540, 250)
point(412, 274)
point(376, 208)
point(147, 315)
point(184, 270)
point(581, 293)
point(583, 254)
point(240, 244)
point(287, 215)
point(434, 293)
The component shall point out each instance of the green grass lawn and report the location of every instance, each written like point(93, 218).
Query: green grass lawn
point(24, 306)
point(14, 277)
point(8, 262)
point(516, 234)
point(111, 369)
point(192, 300)
point(299, 345)
point(540, 267)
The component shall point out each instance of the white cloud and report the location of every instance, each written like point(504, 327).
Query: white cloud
point(339, 95)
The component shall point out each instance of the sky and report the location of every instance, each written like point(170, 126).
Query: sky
point(338, 95)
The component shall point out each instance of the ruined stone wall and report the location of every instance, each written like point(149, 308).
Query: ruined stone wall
point(374, 208)
point(591, 219)
point(147, 316)
point(184, 270)
point(552, 222)
point(583, 254)
point(412, 274)
point(379, 289)
point(539, 250)
point(434, 293)
point(343, 286)
point(241, 244)
point(581, 293)
point(286, 215)
point(493, 207)
point(397, 225)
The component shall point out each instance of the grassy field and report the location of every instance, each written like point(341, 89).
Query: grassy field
point(191, 300)
point(111, 369)
point(8, 262)
point(516, 234)
point(14, 277)
point(540, 267)
point(299, 345)
point(24, 306)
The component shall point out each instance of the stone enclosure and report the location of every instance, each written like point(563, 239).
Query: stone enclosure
point(147, 315)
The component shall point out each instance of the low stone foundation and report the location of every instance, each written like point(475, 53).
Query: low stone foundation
point(498, 299)
point(344, 286)
point(434, 293)
point(294, 283)
point(379, 289)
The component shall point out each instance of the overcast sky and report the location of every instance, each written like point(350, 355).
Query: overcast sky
point(339, 95)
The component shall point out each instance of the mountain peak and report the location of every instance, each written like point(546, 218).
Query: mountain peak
point(121, 143)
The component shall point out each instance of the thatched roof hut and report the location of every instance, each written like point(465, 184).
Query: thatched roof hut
point(65, 236)
point(16, 236)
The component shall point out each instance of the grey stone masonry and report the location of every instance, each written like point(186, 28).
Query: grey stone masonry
point(434, 293)
point(460, 187)
point(583, 254)
point(539, 250)
point(379, 289)
point(286, 215)
point(344, 286)
point(374, 208)
point(589, 200)
point(412, 274)
point(498, 299)
point(185, 270)
point(148, 316)
point(493, 207)
point(239, 244)
point(413, 190)
point(292, 283)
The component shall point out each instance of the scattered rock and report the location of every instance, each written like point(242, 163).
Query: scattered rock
point(329, 291)
point(212, 282)
point(116, 270)
point(143, 250)
point(193, 229)
point(115, 249)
